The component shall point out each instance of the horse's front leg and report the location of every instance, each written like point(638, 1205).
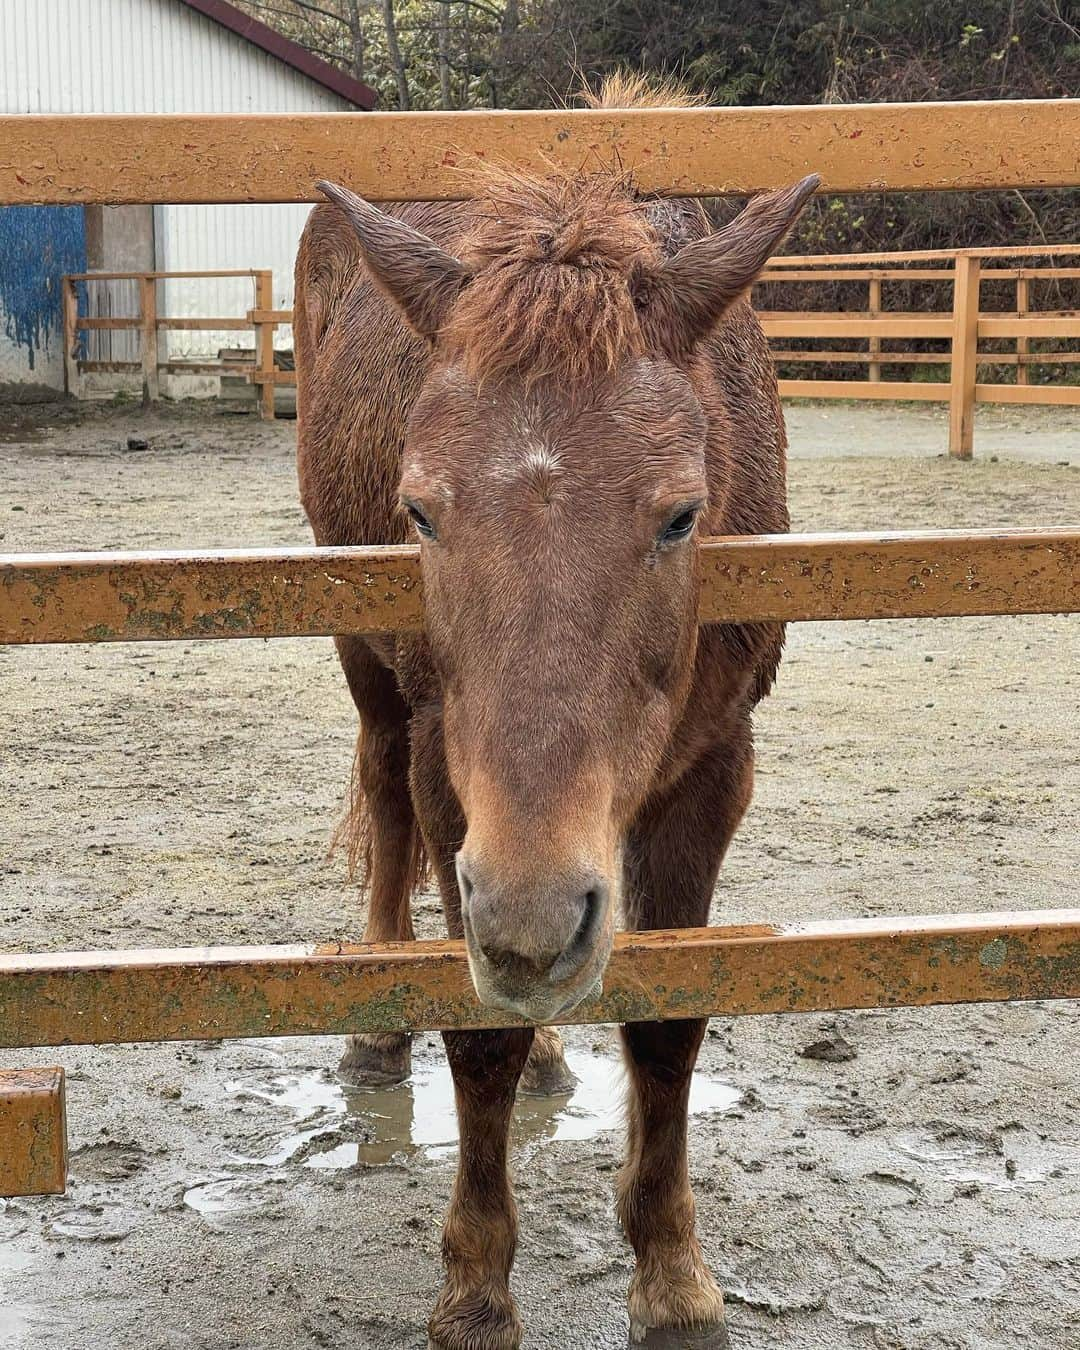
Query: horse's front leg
point(674, 1300)
point(672, 858)
point(475, 1310)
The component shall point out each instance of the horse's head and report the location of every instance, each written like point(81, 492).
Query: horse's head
point(555, 472)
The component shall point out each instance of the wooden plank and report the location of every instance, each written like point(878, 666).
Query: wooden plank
point(929, 391)
point(409, 156)
point(264, 344)
point(1023, 305)
point(892, 576)
point(69, 306)
point(1052, 358)
point(779, 275)
point(780, 355)
point(962, 370)
point(140, 597)
point(204, 325)
point(1064, 250)
point(113, 324)
point(205, 993)
point(148, 340)
point(1037, 325)
point(269, 377)
point(857, 323)
point(33, 1132)
point(874, 307)
point(158, 276)
point(269, 316)
point(1061, 395)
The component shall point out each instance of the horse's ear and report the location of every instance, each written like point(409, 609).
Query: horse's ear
point(422, 279)
point(689, 293)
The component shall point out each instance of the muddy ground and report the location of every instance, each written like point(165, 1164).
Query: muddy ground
point(924, 1195)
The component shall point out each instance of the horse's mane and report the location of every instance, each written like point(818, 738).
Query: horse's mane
point(556, 260)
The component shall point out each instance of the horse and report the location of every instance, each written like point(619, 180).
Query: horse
point(556, 388)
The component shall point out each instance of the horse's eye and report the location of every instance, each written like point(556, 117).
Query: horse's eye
point(680, 527)
point(424, 527)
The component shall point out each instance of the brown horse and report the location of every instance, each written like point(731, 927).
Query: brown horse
point(556, 388)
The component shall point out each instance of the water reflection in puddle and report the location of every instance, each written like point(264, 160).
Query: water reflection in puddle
point(336, 1126)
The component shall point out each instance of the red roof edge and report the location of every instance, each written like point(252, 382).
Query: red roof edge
point(291, 53)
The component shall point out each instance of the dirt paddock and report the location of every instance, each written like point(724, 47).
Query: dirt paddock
point(918, 1191)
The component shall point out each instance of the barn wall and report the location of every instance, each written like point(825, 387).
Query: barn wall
point(38, 244)
point(142, 56)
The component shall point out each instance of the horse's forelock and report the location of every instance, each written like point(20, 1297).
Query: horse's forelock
point(554, 261)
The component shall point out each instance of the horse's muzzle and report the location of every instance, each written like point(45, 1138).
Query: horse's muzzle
point(536, 950)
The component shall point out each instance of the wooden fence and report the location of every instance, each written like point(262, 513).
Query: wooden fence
point(149, 322)
point(962, 327)
point(73, 998)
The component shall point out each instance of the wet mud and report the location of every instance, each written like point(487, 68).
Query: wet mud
point(886, 1180)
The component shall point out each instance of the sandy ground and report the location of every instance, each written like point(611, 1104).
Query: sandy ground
point(923, 1196)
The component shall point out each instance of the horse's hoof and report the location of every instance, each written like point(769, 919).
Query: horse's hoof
point(376, 1060)
point(547, 1078)
point(672, 1338)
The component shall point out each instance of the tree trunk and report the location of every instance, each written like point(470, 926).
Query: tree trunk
point(394, 52)
point(443, 35)
point(356, 32)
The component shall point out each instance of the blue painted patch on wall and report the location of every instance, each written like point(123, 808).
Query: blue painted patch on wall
point(38, 245)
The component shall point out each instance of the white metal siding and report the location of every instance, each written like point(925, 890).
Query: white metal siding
point(139, 56)
point(159, 56)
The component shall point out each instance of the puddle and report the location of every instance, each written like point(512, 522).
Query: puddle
point(338, 1127)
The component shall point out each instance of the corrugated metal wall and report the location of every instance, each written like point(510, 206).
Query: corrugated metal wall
point(141, 56)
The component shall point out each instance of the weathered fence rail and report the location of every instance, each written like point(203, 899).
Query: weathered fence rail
point(203, 993)
point(689, 152)
point(109, 997)
point(141, 597)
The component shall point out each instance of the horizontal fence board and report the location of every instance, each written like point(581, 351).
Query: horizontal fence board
point(33, 1132)
point(206, 993)
point(157, 276)
point(893, 390)
point(1061, 395)
point(1034, 325)
point(781, 275)
point(240, 593)
point(1048, 250)
point(408, 156)
point(854, 323)
point(134, 597)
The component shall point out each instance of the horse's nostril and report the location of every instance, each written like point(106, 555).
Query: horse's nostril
point(580, 947)
point(465, 882)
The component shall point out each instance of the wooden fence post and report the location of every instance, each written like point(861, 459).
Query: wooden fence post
point(149, 338)
point(1022, 310)
point(875, 343)
point(964, 356)
point(264, 343)
point(69, 298)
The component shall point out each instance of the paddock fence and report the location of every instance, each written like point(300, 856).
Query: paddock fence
point(56, 999)
point(959, 344)
point(148, 322)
